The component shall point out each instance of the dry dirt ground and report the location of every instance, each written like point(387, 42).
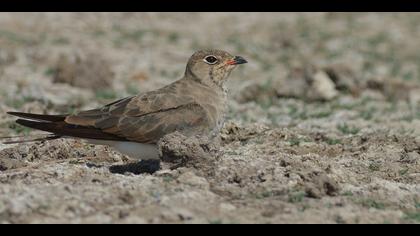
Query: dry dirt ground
point(323, 125)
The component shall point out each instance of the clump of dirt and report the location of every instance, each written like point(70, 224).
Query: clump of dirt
point(198, 151)
point(396, 89)
point(255, 91)
point(318, 86)
point(90, 71)
point(309, 83)
point(233, 132)
point(55, 150)
point(8, 161)
point(345, 79)
point(319, 184)
point(7, 57)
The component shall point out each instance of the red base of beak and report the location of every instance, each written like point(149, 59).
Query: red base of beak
point(237, 60)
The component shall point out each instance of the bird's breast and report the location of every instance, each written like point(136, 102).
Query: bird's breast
point(216, 111)
point(213, 100)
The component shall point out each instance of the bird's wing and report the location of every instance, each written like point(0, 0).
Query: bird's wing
point(144, 118)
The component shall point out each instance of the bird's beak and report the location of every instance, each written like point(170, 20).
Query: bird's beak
point(237, 60)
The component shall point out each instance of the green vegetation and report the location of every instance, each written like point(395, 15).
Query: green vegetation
point(173, 37)
point(367, 114)
point(216, 222)
point(264, 194)
point(296, 141)
point(14, 37)
point(18, 103)
point(50, 71)
point(297, 197)
point(106, 94)
point(132, 89)
point(61, 41)
point(346, 129)
point(415, 216)
point(371, 203)
point(403, 172)
point(348, 194)
point(18, 129)
point(333, 141)
point(168, 178)
point(374, 167)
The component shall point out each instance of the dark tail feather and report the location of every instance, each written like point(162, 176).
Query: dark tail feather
point(51, 137)
point(39, 117)
point(61, 128)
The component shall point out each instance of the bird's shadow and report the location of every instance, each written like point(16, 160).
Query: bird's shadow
point(137, 168)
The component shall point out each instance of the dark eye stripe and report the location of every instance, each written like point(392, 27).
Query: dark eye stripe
point(210, 59)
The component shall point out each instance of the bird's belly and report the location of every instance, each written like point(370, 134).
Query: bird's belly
point(132, 149)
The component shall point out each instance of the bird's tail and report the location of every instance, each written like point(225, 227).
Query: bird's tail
point(32, 138)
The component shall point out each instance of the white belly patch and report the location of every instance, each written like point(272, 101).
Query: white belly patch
point(134, 150)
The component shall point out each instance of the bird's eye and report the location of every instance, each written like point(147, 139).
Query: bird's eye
point(210, 60)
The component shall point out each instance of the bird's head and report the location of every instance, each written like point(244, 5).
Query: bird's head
point(212, 66)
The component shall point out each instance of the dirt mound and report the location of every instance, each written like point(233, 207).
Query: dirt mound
point(91, 71)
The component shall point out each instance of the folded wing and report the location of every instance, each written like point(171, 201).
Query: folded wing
point(144, 118)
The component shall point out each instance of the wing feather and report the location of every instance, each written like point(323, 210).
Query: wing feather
point(144, 118)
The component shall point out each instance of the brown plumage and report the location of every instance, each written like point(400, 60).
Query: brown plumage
point(192, 105)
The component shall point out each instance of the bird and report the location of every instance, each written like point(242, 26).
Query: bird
point(196, 104)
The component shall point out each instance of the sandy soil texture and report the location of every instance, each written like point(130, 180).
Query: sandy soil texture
point(323, 123)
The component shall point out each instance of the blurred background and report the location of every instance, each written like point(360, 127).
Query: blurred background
point(323, 123)
point(303, 66)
